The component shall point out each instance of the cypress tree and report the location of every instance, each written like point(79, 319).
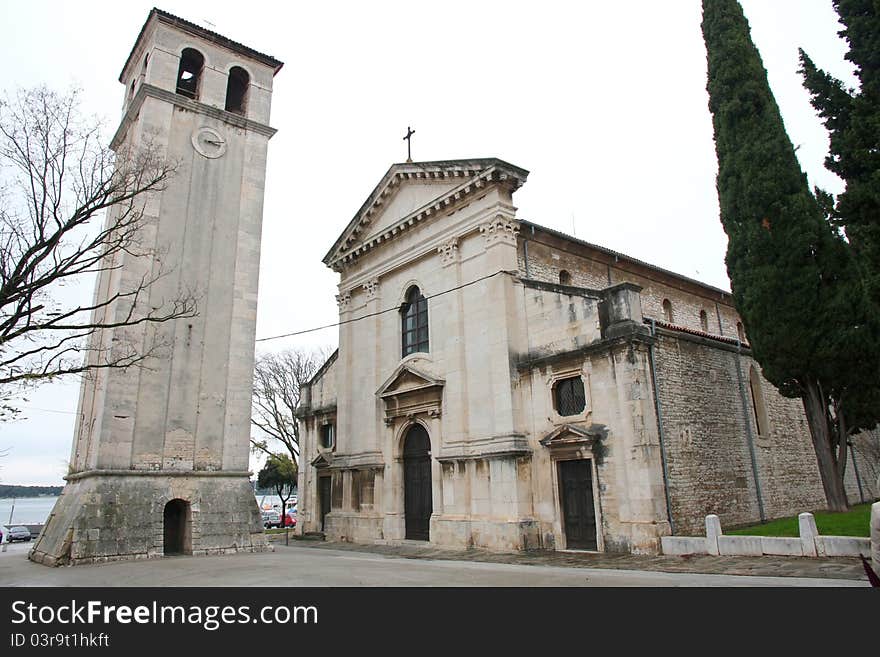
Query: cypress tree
point(853, 122)
point(792, 276)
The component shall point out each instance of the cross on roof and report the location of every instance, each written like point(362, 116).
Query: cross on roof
point(409, 133)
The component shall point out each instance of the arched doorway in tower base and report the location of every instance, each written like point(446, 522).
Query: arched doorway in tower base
point(177, 526)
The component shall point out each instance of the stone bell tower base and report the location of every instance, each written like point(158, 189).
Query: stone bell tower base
point(116, 516)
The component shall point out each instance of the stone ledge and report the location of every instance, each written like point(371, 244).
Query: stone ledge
point(808, 544)
point(634, 334)
point(148, 90)
point(86, 474)
point(842, 546)
point(681, 545)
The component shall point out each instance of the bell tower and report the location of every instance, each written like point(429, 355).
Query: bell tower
point(159, 463)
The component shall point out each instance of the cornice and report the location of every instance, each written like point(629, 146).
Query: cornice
point(87, 474)
point(476, 174)
point(512, 445)
point(147, 90)
point(158, 16)
point(431, 245)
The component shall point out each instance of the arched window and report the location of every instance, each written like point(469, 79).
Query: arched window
point(237, 90)
point(414, 322)
point(667, 311)
point(564, 278)
point(760, 410)
point(190, 72)
point(704, 321)
point(740, 332)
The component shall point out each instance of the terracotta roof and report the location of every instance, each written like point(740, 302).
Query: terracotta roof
point(204, 33)
point(702, 334)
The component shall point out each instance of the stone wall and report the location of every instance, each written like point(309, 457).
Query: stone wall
point(706, 439)
point(320, 398)
point(592, 267)
point(559, 318)
point(704, 420)
point(115, 517)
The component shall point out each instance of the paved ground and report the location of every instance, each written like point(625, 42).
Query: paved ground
point(834, 568)
point(312, 563)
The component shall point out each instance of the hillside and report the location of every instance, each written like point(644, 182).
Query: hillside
point(8, 490)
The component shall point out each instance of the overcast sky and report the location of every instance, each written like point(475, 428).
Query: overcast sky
point(603, 102)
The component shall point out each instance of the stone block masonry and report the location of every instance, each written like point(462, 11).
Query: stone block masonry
point(875, 536)
point(709, 460)
point(160, 456)
point(109, 517)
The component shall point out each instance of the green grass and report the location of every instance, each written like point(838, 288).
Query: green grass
point(855, 522)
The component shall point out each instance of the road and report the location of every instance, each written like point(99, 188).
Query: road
point(298, 565)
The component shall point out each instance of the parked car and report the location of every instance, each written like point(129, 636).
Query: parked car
point(19, 534)
point(290, 518)
point(271, 519)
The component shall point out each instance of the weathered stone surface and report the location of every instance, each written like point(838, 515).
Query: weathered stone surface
point(842, 546)
point(713, 532)
point(513, 310)
point(782, 546)
point(740, 545)
point(129, 511)
point(179, 428)
point(808, 532)
point(875, 536)
point(680, 545)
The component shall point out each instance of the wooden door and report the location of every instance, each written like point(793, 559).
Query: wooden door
point(578, 511)
point(324, 497)
point(417, 483)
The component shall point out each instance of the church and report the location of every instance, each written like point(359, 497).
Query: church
point(502, 385)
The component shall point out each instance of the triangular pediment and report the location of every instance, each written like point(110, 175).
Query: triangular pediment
point(414, 192)
point(322, 460)
point(570, 434)
point(407, 378)
point(404, 199)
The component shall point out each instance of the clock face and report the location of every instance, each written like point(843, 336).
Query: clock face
point(208, 142)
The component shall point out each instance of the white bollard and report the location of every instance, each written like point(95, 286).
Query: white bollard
point(808, 532)
point(713, 531)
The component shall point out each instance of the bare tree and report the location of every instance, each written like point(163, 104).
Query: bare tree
point(72, 208)
point(278, 379)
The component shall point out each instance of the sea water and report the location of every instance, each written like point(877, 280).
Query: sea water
point(35, 510)
point(28, 510)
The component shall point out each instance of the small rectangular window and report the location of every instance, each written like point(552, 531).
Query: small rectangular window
point(327, 436)
point(569, 396)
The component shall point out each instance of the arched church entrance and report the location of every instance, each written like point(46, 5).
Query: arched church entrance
point(178, 528)
point(417, 483)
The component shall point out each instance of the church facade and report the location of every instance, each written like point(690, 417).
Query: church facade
point(501, 385)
